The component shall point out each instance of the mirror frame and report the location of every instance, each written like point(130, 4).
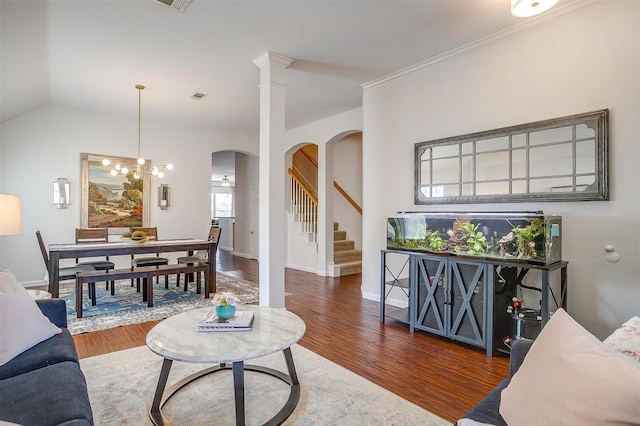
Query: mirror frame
point(597, 120)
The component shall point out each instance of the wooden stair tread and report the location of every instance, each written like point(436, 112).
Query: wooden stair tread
point(350, 263)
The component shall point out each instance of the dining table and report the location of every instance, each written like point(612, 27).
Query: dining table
point(84, 250)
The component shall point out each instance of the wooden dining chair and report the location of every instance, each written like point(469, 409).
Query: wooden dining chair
point(201, 256)
point(152, 233)
point(96, 235)
point(66, 274)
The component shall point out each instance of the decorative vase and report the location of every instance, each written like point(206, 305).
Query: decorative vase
point(225, 312)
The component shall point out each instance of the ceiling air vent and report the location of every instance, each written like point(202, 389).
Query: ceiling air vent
point(198, 96)
point(181, 5)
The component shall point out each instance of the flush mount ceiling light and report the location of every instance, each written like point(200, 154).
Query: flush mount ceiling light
point(526, 8)
point(124, 168)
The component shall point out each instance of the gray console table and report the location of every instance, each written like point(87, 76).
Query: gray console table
point(462, 297)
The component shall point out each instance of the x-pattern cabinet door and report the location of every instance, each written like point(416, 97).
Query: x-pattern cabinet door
point(467, 302)
point(431, 294)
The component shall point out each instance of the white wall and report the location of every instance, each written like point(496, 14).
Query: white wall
point(583, 62)
point(347, 172)
point(246, 182)
point(227, 227)
point(45, 144)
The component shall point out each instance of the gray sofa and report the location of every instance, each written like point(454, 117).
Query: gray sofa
point(488, 410)
point(44, 385)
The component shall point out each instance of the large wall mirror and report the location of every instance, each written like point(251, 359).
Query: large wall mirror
point(563, 159)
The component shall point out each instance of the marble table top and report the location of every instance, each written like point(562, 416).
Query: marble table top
point(177, 338)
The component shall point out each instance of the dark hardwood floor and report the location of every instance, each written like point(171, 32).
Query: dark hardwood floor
point(442, 376)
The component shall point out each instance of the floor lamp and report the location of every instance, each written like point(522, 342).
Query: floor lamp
point(10, 222)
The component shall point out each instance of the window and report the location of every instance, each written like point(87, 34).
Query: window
point(222, 204)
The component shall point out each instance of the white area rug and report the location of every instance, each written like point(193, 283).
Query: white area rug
point(121, 387)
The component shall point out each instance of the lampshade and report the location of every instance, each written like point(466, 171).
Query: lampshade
point(526, 8)
point(10, 222)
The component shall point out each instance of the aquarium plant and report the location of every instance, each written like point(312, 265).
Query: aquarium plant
point(434, 240)
point(466, 238)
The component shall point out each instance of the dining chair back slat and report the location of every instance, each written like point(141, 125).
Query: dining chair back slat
point(92, 235)
point(152, 233)
point(95, 235)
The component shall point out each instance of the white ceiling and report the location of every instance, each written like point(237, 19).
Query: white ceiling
point(90, 54)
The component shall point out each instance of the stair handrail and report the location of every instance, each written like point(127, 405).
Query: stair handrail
point(347, 197)
point(335, 184)
point(311, 160)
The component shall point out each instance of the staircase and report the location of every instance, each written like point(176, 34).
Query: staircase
point(303, 211)
point(347, 260)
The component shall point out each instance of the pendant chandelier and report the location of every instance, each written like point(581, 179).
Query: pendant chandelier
point(139, 169)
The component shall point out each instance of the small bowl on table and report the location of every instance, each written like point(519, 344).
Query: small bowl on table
point(130, 240)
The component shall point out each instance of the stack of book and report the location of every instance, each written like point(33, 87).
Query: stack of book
point(241, 321)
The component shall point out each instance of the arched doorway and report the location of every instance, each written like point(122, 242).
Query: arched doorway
point(234, 186)
point(328, 178)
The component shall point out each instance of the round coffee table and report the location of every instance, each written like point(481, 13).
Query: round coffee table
point(178, 339)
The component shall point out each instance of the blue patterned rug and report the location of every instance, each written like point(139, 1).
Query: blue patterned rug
point(126, 306)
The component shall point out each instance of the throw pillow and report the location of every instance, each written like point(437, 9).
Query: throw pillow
point(626, 339)
point(570, 378)
point(22, 323)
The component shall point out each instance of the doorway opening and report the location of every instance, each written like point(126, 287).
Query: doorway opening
point(234, 180)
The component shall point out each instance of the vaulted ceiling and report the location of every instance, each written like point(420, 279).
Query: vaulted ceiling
point(90, 54)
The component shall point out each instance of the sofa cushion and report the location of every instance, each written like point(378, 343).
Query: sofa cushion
point(52, 395)
point(626, 339)
point(570, 378)
point(22, 323)
point(58, 348)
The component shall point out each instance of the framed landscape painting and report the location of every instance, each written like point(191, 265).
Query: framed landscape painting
point(114, 202)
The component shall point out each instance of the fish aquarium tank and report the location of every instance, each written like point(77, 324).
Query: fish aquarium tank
point(515, 236)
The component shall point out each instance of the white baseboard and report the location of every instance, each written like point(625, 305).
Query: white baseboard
point(244, 255)
point(301, 268)
point(398, 303)
point(37, 283)
point(371, 296)
point(322, 273)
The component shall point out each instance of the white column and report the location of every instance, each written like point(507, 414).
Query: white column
point(272, 222)
point(325, 209)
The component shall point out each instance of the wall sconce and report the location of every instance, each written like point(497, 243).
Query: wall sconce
point(163, 196)
point(61, 193)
